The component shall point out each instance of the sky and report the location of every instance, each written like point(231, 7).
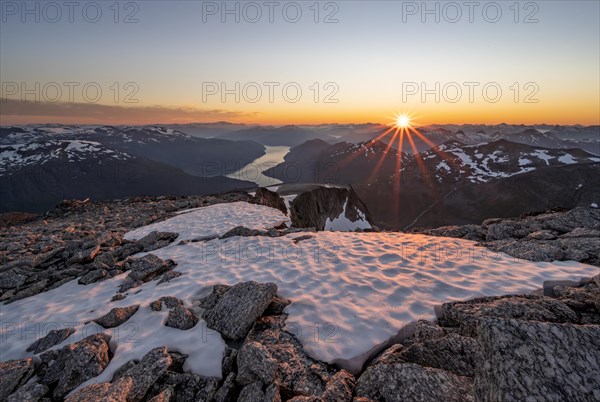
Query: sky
point(304, 62)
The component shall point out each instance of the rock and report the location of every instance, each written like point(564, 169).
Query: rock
point(531, 250)
point(152, 241)
point(105, 392)
point(405, 382)
point(192, 388)
point(314, 207)
point(302, 238)
point(271, 355)
point(524, 360)
point(166, 395)
point(524, 307)
point(277, 306)
point(179, 316)
point(542, 235)
point(14, 374)
point(254, 392)
point(31, 392)
point(93, 276)
point(54, 337)
point(77, 363)
point(425, 331)
point(168, 302)
point(454, 353)
point(255, 364)
point(242, 232)
point(34, 289)
point(145, 269)
point(118, 296)
point(117, 316)
point(229, 363)
point(339, 388)
point(238, 308)
point(228, 391)
point(584, 300)
point(144, 374)
point(177, 361)
point(78, 253)
point(11, 280)
point(269, 198)
point(168, 276)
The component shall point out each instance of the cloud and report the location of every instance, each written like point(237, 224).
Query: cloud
point(14, 111)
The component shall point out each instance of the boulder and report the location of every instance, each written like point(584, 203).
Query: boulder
point(464, 314)
point(269, 198)
point(150, 242)
point(190, 387)
point(144, 269)
point(523, 360)
point(241, 231)
point(14, 374)
point(271, 355)
point(228, 391)
point(117, 316)
point(238, 307)
point(314, 207)
point(54, 337)
point(31, 392)
point(254, 392)
point(93, 276)
point(584, 300)
point(77, 363)
point(454, 353)
point(404, 382)
point(11, 280)
point(106, 392)
point(179, 316)
point(145, 373)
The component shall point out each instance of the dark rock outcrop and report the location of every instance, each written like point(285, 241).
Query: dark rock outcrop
point(117, 316)
point(464, 315)
point(13, 374)
point(232, 311)
point(77, 363)
point(554, 235)
point(269, 198)
point(410, 382)
point(144, 269)
point(312, 209)
point(54, 337)
point(179, 317)
point(271, 355)
point(31, 392)
point(524, 360)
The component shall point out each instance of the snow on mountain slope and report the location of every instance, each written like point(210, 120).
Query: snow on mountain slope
point(351, 292)
point(215, 221)
point(484, 162)
point(18, 156)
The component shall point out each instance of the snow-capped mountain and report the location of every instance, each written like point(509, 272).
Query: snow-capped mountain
point(15, 157)
point(196, 156)
point(485, 162)
point(42, 165)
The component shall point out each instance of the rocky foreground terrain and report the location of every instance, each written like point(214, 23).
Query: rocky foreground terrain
point(510, 347)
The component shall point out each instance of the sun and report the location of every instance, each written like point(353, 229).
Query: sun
point(402, 121)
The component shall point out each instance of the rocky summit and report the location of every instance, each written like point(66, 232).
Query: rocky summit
point(542, 345)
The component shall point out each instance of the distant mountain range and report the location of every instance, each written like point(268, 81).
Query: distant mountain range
point(42, 165)
point(452, 183)
point(472, 172)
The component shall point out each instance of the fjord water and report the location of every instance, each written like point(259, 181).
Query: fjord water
point(253, 172)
